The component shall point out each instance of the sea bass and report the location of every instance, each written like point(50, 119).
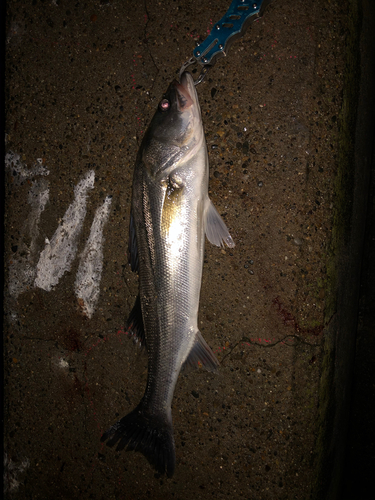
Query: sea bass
point(170, 215)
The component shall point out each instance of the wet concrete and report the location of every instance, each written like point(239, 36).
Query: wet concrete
point(83, 80)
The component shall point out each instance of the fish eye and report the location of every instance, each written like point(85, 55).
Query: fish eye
point(164, 105)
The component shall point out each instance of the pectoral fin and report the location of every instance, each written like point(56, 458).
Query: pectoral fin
point(216, 230)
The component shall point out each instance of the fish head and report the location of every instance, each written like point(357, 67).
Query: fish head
point(176, 131)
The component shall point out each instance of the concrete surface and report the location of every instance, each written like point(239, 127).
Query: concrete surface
point(82, 82)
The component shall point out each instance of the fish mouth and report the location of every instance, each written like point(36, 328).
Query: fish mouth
point(186, 93)
point(184, 101)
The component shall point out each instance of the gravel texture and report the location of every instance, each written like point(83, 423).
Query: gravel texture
point(83, 80)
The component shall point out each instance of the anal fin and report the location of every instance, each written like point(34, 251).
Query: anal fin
point(202, 354)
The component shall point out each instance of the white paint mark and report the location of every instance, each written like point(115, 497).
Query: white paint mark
point(12, 470)
point(63, 364)
point(59, 363)
point(22, 265)
point(20, 171)
point(25, 270)
point(87, 283)
point(59, 253)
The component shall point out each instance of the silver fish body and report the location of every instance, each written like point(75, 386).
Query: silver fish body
point(171, 213)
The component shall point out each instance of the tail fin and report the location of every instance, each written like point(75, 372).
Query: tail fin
point(151, 435)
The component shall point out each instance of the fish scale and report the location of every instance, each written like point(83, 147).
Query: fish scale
point(171, 213)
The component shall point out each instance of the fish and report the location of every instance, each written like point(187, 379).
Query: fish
point(171, 213)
